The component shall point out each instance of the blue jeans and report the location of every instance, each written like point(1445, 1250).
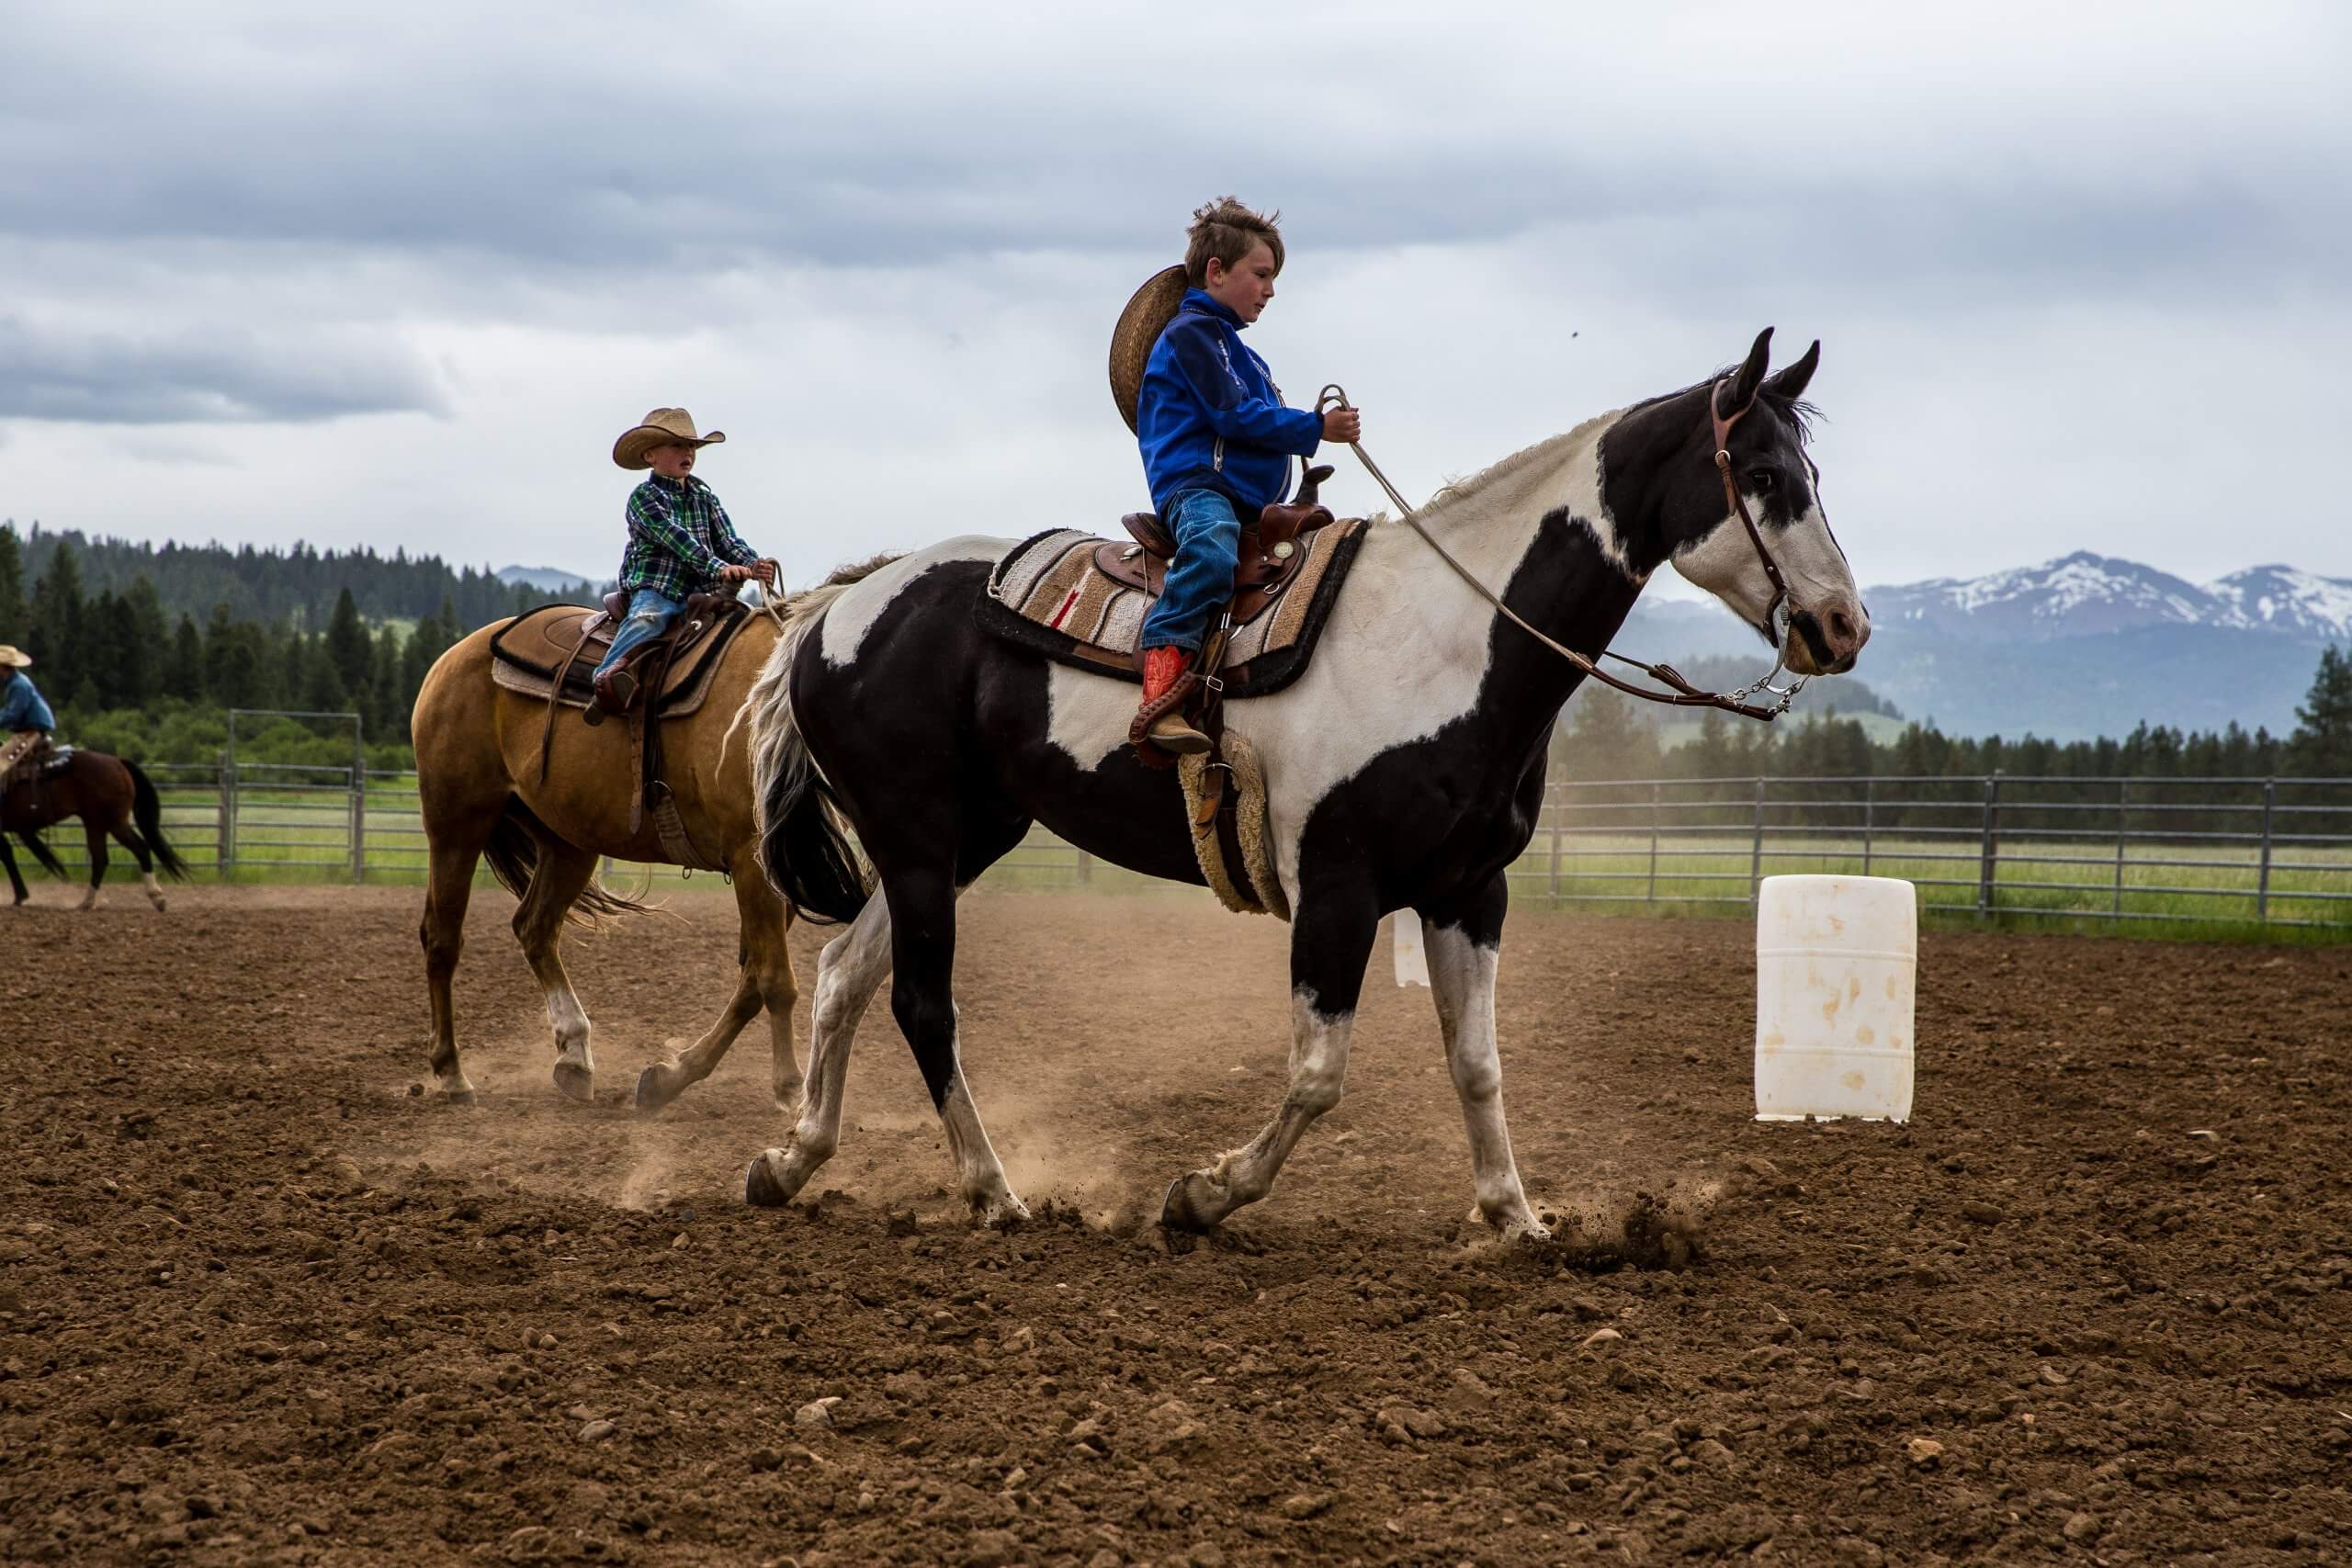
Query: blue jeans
point(650, 615)
point(1200, 579)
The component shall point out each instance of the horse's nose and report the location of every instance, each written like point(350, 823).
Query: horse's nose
point(1845, 627)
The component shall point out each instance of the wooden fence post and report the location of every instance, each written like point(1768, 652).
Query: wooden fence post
point(1988, 855)
point(2123, 829)
point(1657, 792)
point(1870, 803)
point(1756, 849)
point(224, 840)
point(358, 802)
point(2262, 884)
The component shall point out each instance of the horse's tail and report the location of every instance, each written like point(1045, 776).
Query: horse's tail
point(805, 845)
point(513, 856)
point(43, 853)
point(147, 816)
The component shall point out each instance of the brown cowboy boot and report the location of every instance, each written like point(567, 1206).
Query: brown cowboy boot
point(616, 688)
point(1168, 682)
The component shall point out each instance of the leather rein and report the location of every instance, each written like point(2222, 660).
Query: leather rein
point(1680, 693)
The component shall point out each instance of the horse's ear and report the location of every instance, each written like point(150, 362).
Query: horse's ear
point(1790, 383)
point(1751, 375)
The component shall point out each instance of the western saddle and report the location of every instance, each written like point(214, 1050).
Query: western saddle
point(1268, 558)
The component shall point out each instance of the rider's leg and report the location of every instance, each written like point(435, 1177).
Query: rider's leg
point(650, 615)
point(1200, 579)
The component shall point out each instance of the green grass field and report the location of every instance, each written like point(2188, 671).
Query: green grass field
point(291, 832)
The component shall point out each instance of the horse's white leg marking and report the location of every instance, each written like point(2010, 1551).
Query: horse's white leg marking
point(981, 1172)
point(850, 970)
point(575, 1064)
point(1318, 1072)
point(1462, 977)
point(91, 900)
point(154, 891)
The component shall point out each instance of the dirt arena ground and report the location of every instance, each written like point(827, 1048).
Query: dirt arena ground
point(260, 1302)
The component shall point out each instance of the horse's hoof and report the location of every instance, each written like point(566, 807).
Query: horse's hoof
point(576, 1083)
point(650, 1096)
point(1521, 1226)
point(761, 1189)
point(1001, 1213)
point(1193, 1203)
point(462, 1094)
point(158, 900)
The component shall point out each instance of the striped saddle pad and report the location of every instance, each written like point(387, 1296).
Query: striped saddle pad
point(1051, 594)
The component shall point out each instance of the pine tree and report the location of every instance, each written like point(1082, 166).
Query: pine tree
point(322, 689)
point(184, 672)
point(101, 665)
point(54, 624)
point(11, 588)
point(348, 644)
point(143, 646)
point(220, 642)
point(387, 715)
point(2321, 747)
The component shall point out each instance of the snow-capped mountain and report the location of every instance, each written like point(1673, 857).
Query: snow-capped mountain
point(2085, 595)
point(2280, 598)
point(2081, 646)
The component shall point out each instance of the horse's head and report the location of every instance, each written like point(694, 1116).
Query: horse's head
point(1826, 623)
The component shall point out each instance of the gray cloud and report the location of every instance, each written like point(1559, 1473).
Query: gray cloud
point(198, 375)
point(419, 263)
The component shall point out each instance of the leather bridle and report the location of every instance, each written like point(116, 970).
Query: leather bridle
point(1680, 691)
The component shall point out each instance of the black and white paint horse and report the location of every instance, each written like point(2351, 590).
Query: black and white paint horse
point(1404, 769)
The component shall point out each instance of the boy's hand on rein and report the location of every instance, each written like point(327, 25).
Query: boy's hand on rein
point(1343, 424)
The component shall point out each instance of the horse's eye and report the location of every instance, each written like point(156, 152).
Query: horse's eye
point(1761, 481)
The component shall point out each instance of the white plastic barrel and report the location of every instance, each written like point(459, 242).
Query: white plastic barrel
point(1837, 968)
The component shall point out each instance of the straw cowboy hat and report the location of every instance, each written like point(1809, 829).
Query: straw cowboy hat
point(1140, 325)
point(663, 427)
point(16, 657)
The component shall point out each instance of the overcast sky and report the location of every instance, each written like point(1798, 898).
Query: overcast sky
point(275, 272)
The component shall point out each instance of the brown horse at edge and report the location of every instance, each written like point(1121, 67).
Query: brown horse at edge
point(113, 798)
point(479, 786)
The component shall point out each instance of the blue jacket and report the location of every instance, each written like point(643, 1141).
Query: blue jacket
point(20, 705)
point(1210, 417)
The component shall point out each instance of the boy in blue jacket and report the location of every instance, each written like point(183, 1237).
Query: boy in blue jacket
point(1217, 443)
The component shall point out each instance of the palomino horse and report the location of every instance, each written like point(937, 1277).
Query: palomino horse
point(1404, 769)
point(111, 796)
point(480, 783)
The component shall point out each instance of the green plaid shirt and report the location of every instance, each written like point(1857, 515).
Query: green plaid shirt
point(679, 538)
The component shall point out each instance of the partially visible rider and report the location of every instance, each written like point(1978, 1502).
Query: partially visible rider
point(25, 718)
point(680, 541)
point(1216, 441)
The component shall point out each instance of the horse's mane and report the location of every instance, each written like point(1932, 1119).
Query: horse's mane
point(857, 571)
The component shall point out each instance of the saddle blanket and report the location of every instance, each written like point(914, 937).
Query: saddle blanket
point(527, 652)
point(1048, 595)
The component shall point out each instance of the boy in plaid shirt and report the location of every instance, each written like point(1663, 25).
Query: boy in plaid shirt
point(680, 541)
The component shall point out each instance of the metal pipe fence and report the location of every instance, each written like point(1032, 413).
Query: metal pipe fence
point(2269, 852)
point(2272, 851)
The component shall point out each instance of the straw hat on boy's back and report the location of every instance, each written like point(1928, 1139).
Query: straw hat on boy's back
point(1140, 325)
point(663, 427)
point(13, 658)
